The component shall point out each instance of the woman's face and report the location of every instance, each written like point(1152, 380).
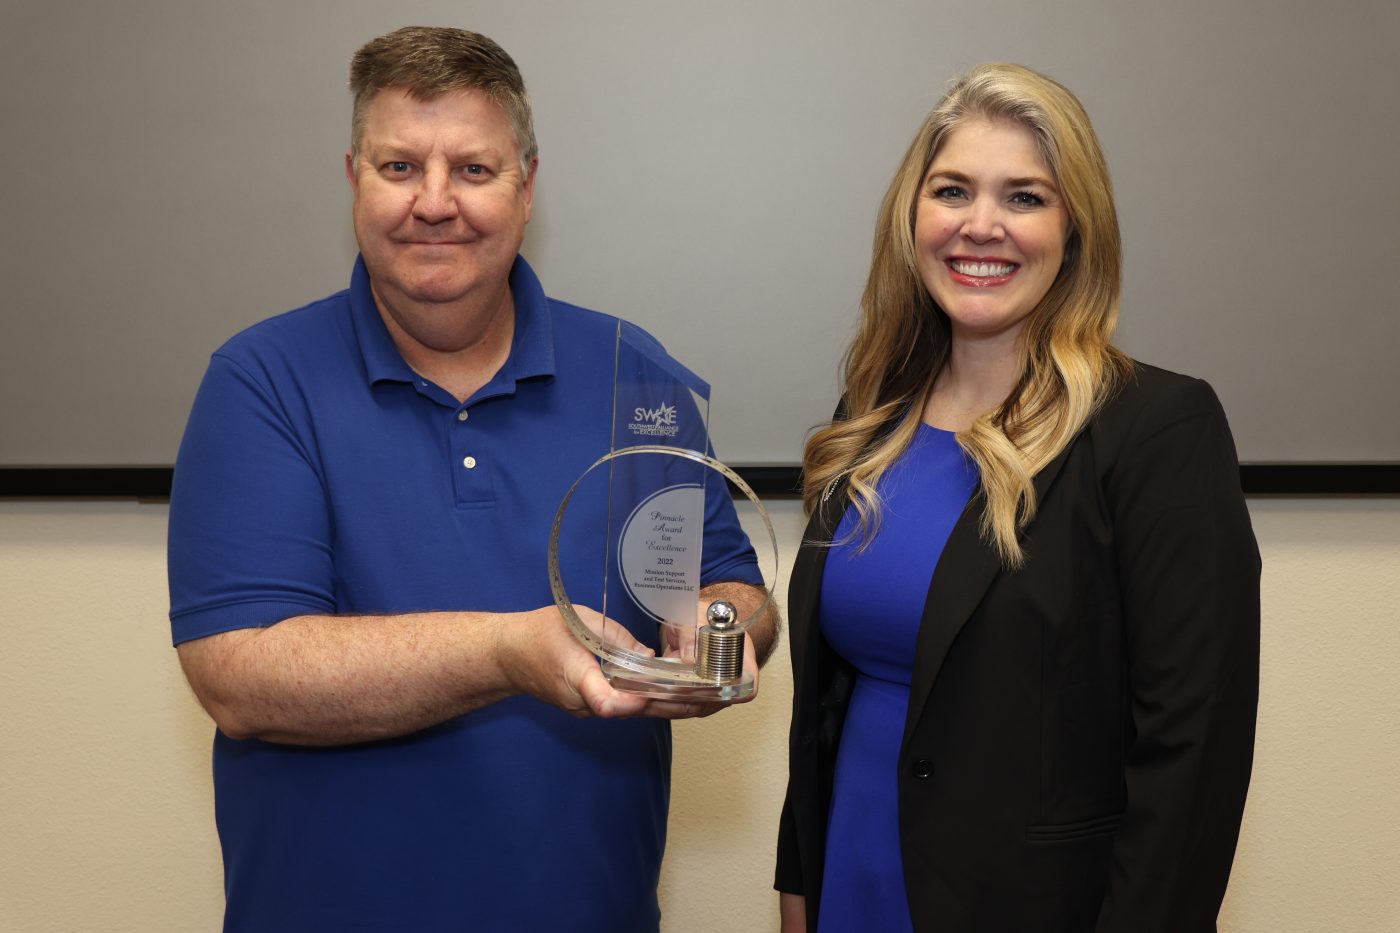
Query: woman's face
point(989, 229)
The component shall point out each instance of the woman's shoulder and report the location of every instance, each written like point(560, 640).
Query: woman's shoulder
point(1150, 394)
point(1163, 424)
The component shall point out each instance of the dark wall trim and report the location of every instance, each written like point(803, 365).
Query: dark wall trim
point(1320, 479)
point(153, 483)
point(85, 482)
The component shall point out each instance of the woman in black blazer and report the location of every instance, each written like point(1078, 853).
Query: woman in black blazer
point(1025, 614)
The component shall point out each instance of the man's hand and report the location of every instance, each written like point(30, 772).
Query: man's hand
point(542, 658)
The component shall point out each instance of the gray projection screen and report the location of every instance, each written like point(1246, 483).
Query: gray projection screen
point(710, 171)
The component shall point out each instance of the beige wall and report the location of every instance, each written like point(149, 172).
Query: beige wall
point(105, 803)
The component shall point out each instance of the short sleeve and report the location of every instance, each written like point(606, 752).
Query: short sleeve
point(727, 555)
point(250, 529)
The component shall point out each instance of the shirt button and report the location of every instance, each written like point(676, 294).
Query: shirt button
point(462, 415)
point(469, 463)
point(922, 768)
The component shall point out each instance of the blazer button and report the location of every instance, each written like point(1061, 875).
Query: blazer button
point(923, 768)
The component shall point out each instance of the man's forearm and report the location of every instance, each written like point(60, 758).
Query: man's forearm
point(335, 680)
point(326, 680)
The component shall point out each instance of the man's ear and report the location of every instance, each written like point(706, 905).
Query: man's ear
point(530, 187)
point(350, 169)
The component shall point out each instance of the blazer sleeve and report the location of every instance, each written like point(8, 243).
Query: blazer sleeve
point(1188, 570)
point(788, 876)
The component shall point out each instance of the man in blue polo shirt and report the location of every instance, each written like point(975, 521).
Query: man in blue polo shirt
point(409, 738)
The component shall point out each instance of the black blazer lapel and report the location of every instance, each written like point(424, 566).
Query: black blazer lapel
point(804, 592)
point(964, 572)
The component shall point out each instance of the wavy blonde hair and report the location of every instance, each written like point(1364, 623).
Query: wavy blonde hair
point(1069, 368)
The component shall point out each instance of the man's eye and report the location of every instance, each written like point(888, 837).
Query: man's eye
point(475, 169)
point(398, 168)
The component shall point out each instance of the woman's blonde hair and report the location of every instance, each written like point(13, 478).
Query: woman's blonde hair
point(1069, 366)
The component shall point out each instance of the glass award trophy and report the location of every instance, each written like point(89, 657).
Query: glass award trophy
point(629, 536)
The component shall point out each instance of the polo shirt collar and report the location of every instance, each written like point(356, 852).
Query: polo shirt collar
point(532, 349)
point(382, 359)
point(532, 345)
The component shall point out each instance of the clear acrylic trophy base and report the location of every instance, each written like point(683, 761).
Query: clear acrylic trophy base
point(683, 684)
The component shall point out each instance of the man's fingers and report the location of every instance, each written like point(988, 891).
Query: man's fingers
point(611, 632)
point(601, 699)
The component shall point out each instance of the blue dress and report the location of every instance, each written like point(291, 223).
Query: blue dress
point(871, 604)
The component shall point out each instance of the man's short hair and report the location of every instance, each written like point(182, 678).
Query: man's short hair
point(427, 61)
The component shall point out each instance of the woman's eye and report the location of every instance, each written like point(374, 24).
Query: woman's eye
point(1027, 199)
point(949, 193)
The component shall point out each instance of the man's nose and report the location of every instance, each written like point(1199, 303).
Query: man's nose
point(436, 200)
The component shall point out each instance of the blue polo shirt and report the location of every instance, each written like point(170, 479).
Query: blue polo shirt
point(320, 475)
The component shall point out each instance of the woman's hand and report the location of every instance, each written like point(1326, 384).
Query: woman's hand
point(792, 908)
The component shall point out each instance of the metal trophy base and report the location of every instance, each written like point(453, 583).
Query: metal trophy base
point(682, 686)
